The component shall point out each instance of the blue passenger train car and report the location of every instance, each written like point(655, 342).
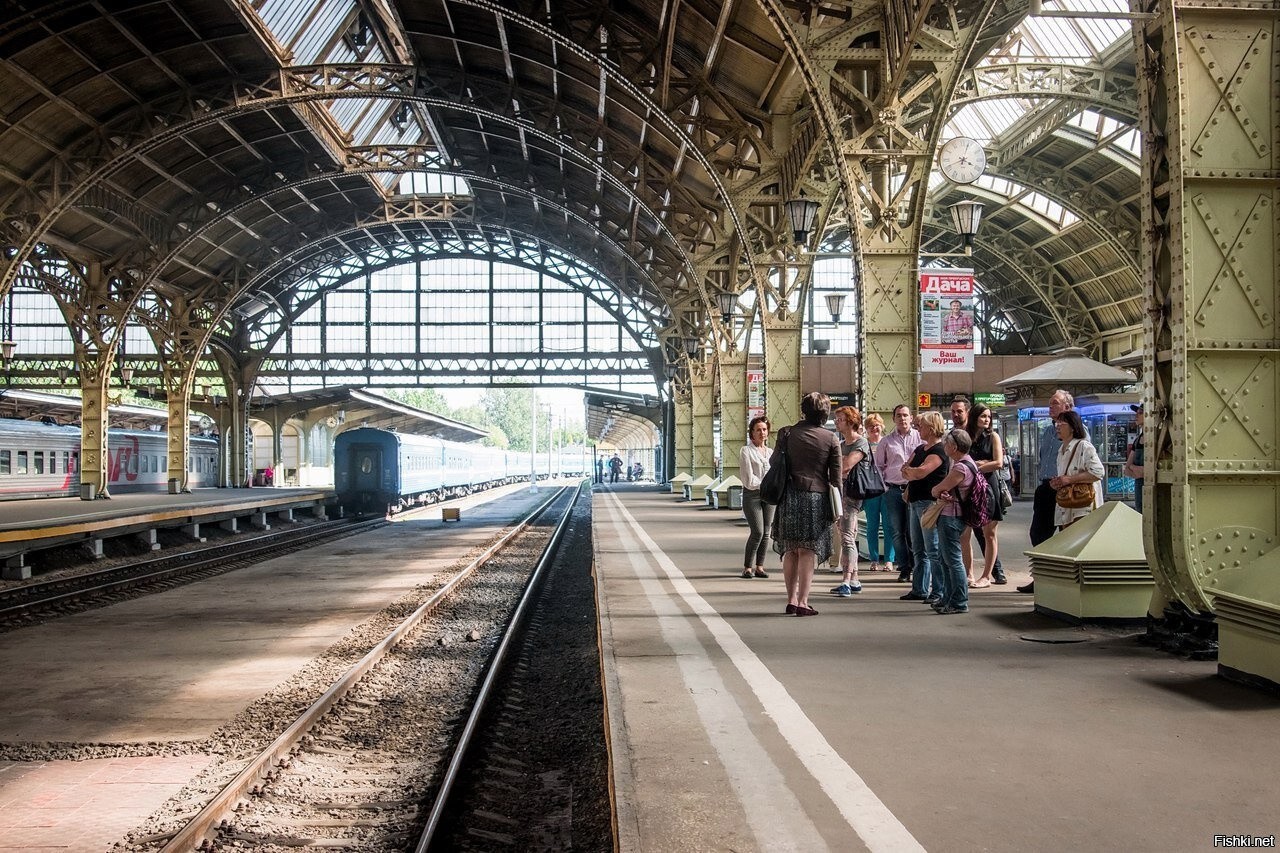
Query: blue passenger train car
point(377, 470)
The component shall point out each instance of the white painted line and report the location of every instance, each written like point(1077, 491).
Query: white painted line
point(775, 816)
point(870, 818)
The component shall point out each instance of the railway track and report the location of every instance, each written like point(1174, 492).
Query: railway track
point(359, 767)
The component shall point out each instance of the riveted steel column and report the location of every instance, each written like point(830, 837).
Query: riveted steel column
point(782, 367)
point(890, 304)
point(731, 373)
point(702, 389)
point(179, 442)
point(93, 429)
point(684, 429)
point(1211, 187)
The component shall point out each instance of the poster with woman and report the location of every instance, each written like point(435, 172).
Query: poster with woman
point(946, 320)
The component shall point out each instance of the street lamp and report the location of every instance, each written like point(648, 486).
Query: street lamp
point(691, 347)
point(966, 216)
point(835, 304)
point(727, 302)
point(800, 214)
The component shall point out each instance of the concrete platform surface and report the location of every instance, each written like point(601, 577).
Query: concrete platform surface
point(879, 725)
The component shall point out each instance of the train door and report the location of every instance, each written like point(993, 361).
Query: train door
point(366, 468)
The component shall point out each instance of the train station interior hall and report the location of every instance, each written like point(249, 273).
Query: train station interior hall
point(272, 268)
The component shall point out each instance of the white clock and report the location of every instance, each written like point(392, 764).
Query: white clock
point(962, 160)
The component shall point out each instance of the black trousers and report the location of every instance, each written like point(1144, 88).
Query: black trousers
point(1042, 509)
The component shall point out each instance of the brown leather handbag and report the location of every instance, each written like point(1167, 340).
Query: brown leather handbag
point(1074, 495)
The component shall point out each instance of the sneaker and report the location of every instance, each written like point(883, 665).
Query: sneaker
point(948, 610)
point(905, 577)
point(932, 600)
point(844, 590)
point(856, 588)
point(911, 596)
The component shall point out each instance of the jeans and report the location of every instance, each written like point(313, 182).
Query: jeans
point(1137, 494)
point(898, 514)
point(955, 586)
point(875, 510)
point(760, 518)
point(924, 550)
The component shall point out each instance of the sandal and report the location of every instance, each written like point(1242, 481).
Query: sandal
point(981, 583)
point(746, 573)
point(760, 573)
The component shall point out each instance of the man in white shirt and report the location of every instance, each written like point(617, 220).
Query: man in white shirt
point(893, 451)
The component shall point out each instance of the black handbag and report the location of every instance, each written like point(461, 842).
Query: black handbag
point(863, 481)
point(773, 486)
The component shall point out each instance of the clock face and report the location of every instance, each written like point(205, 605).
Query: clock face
point(962, 160)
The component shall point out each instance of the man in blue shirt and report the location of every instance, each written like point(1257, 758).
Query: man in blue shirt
point(1043, 503)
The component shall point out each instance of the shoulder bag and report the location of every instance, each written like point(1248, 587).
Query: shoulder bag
point(863, 481)
point(773, 486)
point(1074, 495)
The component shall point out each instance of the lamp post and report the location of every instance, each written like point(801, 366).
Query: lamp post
point(726, 301)
point(800, 215)
point(966, 216)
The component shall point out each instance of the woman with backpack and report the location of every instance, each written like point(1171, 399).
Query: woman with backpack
point(954, 490)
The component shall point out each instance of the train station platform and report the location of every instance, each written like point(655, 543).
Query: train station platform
point(31, 525)
point(880, 725)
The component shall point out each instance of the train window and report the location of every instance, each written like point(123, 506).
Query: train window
point(66, 461)
point(5, 462)
point(75, 461)
point(366, 465)
point(22, 462)
point(37, 460)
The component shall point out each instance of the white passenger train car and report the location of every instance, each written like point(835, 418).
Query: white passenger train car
point(42, 461)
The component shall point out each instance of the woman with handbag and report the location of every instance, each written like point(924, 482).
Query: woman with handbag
point(874, 508)
point(802, 523)
point(753, 464)
point(928, 467)
point(853, 449)
point(1079, 481)
point(988, 453)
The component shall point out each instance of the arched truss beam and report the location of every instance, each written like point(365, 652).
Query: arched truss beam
point(332, 262)
point(150, 129)
point(1116, 223)
point(204, 215)
point(1088, 85)
point(1063, 188)
point(262, 339)
point(1051, 120)
point(1061, 302)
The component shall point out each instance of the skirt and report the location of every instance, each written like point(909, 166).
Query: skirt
point(803, 521)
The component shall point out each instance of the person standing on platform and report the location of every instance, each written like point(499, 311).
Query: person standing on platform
point(600, 469)
point(874, 510)
point(802, 524)
point(853, 449)
point(1043, 506)
point(1133, 465)
point(753, 464)
point(954, 489)
point(987, 452)
point(959, 412)
point(895, 451)
point(1078, 462)
point(928, 466)
point(615, 468)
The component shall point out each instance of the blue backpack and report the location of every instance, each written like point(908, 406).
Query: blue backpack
point(975, 508)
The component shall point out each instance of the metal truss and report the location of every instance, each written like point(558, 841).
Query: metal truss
point(1089, 85)
point(429, 368)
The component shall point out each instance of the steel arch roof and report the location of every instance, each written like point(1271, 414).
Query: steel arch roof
point(194, 139)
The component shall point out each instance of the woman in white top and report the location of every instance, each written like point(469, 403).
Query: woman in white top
point(753, 463)
point(1078, 462)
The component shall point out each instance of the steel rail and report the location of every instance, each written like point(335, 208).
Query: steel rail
point(481, 701)
point(197, 831)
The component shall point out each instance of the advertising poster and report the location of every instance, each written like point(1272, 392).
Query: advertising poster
point(755, 394)
point(946, 320)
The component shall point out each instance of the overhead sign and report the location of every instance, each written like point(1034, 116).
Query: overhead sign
point(946, 320)
point(755, 394)
point(991, 401)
